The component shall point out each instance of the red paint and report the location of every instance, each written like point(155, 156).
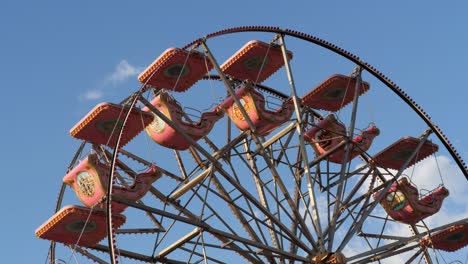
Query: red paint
point(395, 155)
point(102, 124)
point(329, 132)
point(167, 136)
point(450, 239)
point(253, 102)
point(255, 61)
point(334, 93)
point(78, 225)
point(89, 180)
point(176, 69)
point(403, 204)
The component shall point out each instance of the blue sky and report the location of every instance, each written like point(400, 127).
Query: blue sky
point(60, 58)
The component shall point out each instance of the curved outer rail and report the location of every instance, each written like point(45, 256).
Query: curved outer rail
point(369, 68)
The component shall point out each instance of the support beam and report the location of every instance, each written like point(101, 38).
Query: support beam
point(344, 164)
point(189, 185)
point(179, 242)
point(261, 193)
point(299, 130)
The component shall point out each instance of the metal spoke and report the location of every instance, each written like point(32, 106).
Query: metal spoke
point(207, 228)
point(345, 164)
point(299, 129)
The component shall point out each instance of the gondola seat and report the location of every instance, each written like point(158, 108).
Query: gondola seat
point(254, 104)
point(329, 132)
point(89, 180)
point(403, 203)
point(166, 135)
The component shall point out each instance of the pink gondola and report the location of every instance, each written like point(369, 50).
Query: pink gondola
point(176, 69)
point(329, 132)
point(255, 61)
point(103, 123)
point(78, 225)
point(89, 180)
point(450, 239)
point(167, 136)
point(253, 102)
point(395, 155)
point(403, 204)
point(334, 93)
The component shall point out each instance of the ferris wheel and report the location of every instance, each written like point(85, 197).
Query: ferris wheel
point(260, 145)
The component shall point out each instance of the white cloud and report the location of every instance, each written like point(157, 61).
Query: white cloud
point(454, 206)
point(447, 214)
point(427, 177)
point(91, 95)
point(122, 72)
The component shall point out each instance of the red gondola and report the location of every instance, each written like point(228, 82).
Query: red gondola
point(167, 136)
point(253, 103)
point(89, 180)
point(403, 204)
point(329, 132)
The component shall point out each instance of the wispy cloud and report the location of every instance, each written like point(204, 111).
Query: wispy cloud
point(122, 72)
point(91, 95)
point(428, 174)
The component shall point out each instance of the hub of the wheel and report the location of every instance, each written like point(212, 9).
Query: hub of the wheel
point(329, 258)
